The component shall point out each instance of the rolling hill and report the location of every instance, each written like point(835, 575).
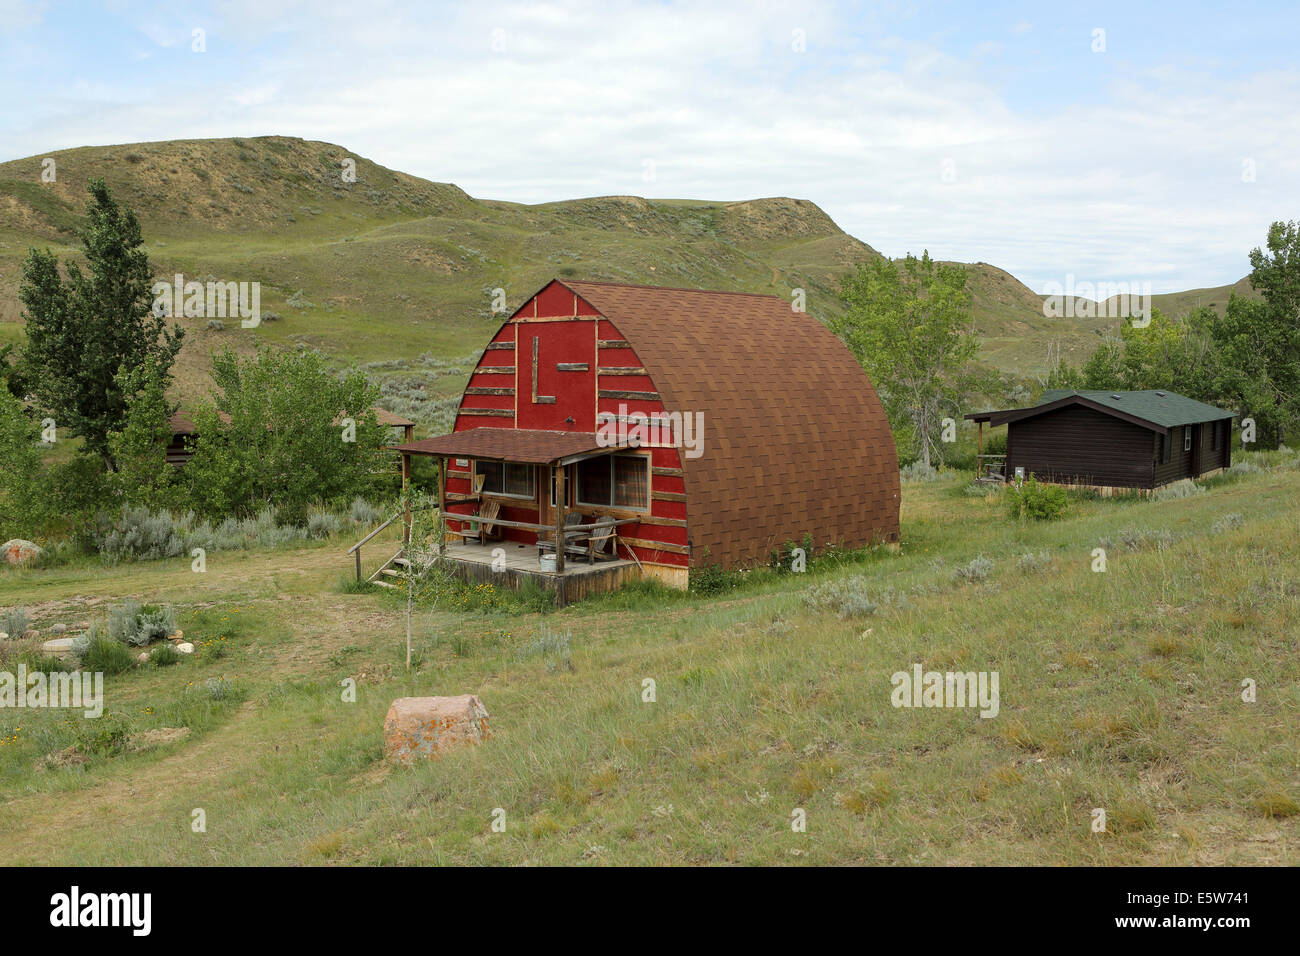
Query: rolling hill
point(396, 273)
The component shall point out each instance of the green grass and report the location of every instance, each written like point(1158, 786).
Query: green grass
point(1120, 690)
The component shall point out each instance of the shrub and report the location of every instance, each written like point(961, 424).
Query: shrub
point(918, 471)
point(713, 579)
point(1030, 499)
point(138, 626)
point(977, 571)
point(14, 622)
point(847, 597)
point(1033, 563)
point(553, 648)
point(141, 534)
point(1227, 523)
point(363, 512)
point(1183, 488)
point(322, 524)
point(981, 489)
point(1137, 539)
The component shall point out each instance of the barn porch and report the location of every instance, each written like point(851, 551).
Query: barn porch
point(508, 530)
point(512, 563)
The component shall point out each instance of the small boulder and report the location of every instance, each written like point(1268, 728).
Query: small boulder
point(59, 629)
point(427, 727)
point(19, 551)
point(60, 646)
point(186, 648)
point(142, 657)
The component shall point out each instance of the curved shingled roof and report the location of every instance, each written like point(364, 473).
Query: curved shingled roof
point(795, 439)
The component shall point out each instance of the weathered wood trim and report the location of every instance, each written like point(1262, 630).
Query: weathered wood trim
point(629, 396)
point(489, 391)
point(667, 496)
point(654, 545)
point(622, 370)
point(669, 472)
point(493, 412)
point(500, 347)
point(665, 522)
point(613, 344)
point(494, 370)
point(572, 367)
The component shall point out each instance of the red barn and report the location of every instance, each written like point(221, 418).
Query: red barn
point(714, 427)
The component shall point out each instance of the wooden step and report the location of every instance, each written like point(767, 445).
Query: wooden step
point(385, 584)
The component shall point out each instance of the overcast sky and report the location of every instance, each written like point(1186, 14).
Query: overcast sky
point(1124, 142)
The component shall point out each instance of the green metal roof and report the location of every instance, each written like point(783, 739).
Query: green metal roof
point(1164, 408)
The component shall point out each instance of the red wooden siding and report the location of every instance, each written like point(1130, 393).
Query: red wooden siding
point(570, 335)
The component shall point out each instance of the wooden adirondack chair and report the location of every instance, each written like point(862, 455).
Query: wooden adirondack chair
point(597, 544)
point(546, 541)
point(481, 526)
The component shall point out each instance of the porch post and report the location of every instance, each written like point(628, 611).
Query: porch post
point(558, 477)
point(442, 505)
point(979, 451)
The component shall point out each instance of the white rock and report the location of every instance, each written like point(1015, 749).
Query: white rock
point(185, 648)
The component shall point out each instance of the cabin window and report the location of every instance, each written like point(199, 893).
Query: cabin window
point(615, 481)
point(506, 478)
point(1187, 438)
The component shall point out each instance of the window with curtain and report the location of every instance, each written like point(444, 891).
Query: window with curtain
point(615, 481)
point(506, 478)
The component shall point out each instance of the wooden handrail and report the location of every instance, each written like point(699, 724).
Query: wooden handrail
point(375, 532)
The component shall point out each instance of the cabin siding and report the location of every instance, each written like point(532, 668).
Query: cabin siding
point(1077, 445)
point(584, 367)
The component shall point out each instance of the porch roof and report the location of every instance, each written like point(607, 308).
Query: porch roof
point(529, 446)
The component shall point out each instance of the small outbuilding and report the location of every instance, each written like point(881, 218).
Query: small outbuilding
point(1109, 440)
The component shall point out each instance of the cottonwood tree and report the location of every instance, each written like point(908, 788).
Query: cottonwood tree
point(84, 333)
point(910, 326)
point(1257, 343)
point(274, 433)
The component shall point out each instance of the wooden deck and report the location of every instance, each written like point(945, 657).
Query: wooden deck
point(473, 563)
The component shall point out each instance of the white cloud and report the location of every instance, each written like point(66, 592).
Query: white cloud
point(1143, 185)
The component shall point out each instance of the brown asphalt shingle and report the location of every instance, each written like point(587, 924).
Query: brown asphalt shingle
point(795, 439)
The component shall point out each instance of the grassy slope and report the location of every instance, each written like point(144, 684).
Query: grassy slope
point(394, 266)
point(1118, 690)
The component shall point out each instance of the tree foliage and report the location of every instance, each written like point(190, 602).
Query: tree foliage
point(276, 433)
point(909, 324)
point(84, 334)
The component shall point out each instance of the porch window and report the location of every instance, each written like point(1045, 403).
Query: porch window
point(615, 481)
point(506, 478)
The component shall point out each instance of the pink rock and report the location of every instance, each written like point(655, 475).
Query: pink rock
point(422, 728)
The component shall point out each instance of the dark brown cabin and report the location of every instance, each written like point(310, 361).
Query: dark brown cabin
point(1106, 439)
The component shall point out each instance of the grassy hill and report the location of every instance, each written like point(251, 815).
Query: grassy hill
point(1118, 690)
point(397, 271)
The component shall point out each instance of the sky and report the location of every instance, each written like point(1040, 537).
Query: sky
point(1105, 142)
